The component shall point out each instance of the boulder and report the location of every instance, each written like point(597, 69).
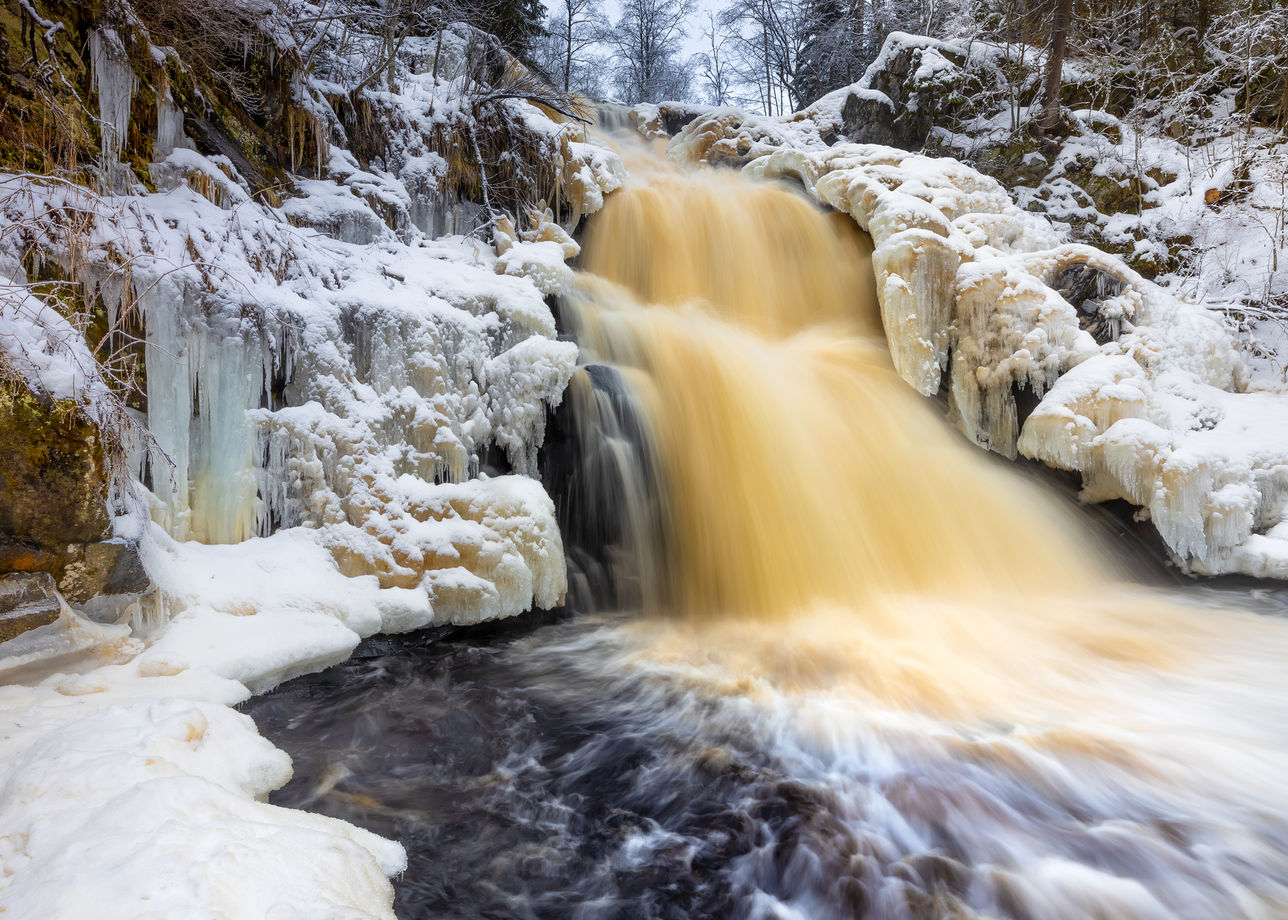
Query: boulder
point(54, 522)
point(108, 567)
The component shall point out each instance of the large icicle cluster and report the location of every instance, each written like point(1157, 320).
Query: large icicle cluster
point(1142, 393)
point(308, 401)
point(305, 362)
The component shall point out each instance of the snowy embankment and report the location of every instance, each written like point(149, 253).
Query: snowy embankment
point(327, 387)
point(1143, 393)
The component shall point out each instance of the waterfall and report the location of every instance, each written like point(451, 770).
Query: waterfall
point(843, 663)
point(797, 467)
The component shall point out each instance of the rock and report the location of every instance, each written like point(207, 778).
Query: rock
point(53, 500)
point(53, 508)
point(869, 119)
point(923, 83)
point(1087, 288)
point(16, 556)
point(27, 601)
point(1080, 283)
point(109, 567)
point(53, 478)
point(676, 115)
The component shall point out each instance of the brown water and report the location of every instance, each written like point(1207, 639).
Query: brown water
point(858, 669)
point(823, 526)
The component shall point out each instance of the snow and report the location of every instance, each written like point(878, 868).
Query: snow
point(541, 253)
point(44, 348)
point(335, 210)
point(132, 789)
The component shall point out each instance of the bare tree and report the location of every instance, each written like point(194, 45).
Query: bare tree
point(373, 32)
point(769, 37)
point(839, 45)
point(713, 64)
point(579, 23)
point(647, 40)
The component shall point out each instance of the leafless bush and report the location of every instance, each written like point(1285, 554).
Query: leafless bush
point(214, 39)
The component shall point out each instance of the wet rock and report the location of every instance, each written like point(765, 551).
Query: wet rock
point(853, 896)
point(27, 601)
point(934, 871)
point(1081, 283)
point(1087, 288)
point(676, 115)
point(110, 567)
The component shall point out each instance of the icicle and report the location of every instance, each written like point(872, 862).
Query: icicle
point(169, 399)
point(201, 385)
point(170, 136)
point(114, 80)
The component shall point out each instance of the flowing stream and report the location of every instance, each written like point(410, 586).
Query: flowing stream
point(827, 660)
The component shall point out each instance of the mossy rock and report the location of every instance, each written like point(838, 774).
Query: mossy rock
point(1110, 194)
point(53, 476)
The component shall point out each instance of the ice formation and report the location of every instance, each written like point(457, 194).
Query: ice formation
point(306, 362)
point(1142, 393)
point(115, 83)
point(130, 787)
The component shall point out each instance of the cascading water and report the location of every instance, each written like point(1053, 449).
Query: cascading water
point(877, 675)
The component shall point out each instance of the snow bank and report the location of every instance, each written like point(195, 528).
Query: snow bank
point(40, 345)
point(130, 787)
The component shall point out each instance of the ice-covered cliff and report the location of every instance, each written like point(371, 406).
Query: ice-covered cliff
point(323, 399)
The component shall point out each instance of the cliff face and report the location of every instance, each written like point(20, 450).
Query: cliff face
point(239, 226)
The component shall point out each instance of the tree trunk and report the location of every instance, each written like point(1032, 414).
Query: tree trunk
point(1283, 102)
point(567, 74)
point(1049, 119)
